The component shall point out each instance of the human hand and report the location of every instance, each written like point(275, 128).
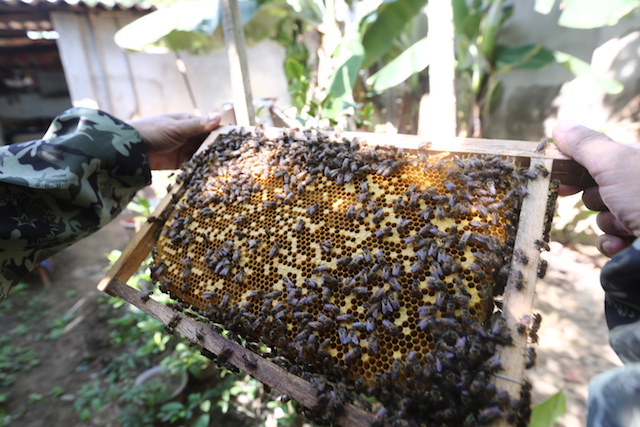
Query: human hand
point(171, 139)
point(616, 171)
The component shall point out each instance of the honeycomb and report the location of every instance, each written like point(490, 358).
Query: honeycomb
point(372, 267)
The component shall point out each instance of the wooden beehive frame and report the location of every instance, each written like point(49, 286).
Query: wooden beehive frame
point(517, 303)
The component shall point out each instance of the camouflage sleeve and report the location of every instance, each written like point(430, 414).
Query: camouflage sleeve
point(620, 279)
point(65, 186)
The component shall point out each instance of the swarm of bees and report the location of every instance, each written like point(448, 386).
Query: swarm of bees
point(368, 270)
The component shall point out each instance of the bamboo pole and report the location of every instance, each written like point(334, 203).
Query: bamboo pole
point(238, 68)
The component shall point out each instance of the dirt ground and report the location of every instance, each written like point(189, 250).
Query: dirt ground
point(82, 348)
point(573, 337)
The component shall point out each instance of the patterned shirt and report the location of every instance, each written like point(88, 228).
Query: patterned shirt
point(65, 186)
point(620, 279)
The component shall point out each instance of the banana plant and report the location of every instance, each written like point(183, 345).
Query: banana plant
point(483, 62)
point(195, 26)
point(391, 40)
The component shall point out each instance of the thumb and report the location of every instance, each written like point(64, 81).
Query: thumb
point(613, 166)
point(593, 150)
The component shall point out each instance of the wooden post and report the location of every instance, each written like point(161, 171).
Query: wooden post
point(442, 74)
point(238, 68)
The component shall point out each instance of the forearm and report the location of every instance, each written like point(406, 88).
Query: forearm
point(55, 191)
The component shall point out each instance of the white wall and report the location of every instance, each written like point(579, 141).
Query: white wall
point(101, 75)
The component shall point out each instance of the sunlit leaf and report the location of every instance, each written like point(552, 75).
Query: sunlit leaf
point(311, 11)
point(195, 26)
point(205, 406)
point(150, 32)
point(595, 13)
point(546, 413)
point(579, 67)
point(350, 57)
point(544, 6)
point(413, 60)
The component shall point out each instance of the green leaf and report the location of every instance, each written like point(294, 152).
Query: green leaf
point(236, 389)
point(579, 67)
point(350, 57)
point(205, 406)
point(471, 25)
point(546, 413)
point(392, 16)
point(544, 6)
point(35, 397)
point(413, 60)
point(460, 13)
point(595, 13)
point(193, 26)
point(172, 407)
point(312, 11)
point(149, 33)
point(493, 21)
point(264, 21)
point(525, 57)
point(293, 69)
point(202, 421)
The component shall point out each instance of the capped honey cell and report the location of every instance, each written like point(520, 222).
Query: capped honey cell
point(370, 267)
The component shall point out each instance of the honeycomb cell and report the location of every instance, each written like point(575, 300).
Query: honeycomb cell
point(348, 259)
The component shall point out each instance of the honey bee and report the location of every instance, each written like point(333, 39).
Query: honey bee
point(383, 232)
point(542, 244)
point(352, 355)
point(531, 358)
point(542, 146)
point(274, 250)
point(250, 361)
point(311, 210)
point(224, 355)
point(542, 268)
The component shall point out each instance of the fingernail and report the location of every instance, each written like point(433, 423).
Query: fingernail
point(564, 126)
point(567, 124)
point(605, 247)
point(212, 117)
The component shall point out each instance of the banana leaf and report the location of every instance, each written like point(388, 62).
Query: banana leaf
point(195, 26)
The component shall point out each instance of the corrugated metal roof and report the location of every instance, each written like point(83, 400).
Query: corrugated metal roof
point(19, 16)
point(73, 5)
point(35, 24)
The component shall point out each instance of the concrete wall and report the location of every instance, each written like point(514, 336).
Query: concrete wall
point(533, 101)
point(101, 75)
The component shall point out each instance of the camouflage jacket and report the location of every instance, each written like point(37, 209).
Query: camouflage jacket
point(620, 279)
point(65, 186)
